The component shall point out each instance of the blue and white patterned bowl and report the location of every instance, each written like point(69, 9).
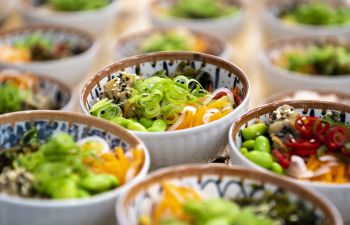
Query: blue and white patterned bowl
point(214, 181)
point(339, 194)
point(60, 94)
point(98, 209)
point(193, 145)
point(70, 70)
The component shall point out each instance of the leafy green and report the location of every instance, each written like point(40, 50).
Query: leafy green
point(12, 98)
point(169, 41)
point(78, 5)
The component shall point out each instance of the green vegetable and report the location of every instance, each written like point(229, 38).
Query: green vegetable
point(99, 183)
point(120, 121)
point(136, 126)
point(158, 126)
point(170, 41)
point(202, 9)
point(263, 159)
point(244, 151)
point(277, 168)
point(78, 5)
point(249, 144)
point(146, 122)
point(262, 143)
point(251, 132)
point(12, 98)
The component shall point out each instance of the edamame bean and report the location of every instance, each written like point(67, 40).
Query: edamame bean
point(65, 189)
point(251, 132)
point(277, 168)
point(249, 144)
point(158, 126)
point(146, 122)
point(83, 194)
point(121, 121)
point(135, 126)
point(262, 144)
point(244, 151)
point(263, 159)
point(99, 183)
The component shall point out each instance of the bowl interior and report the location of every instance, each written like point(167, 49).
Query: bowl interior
point(214, 181)
point(223, 73)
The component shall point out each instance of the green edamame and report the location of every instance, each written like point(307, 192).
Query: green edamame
point(277, 168)
point(262, 144)
point(158, 126)
point(65, 189)
point(99, 183)
point(244, 151)
point(251, 132)
point(146, 122)
point(263, 159)
point(121, 121)
point(249, 144)
point(135, 126)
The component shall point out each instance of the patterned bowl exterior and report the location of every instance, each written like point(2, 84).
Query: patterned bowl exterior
point(275, 27)
point(214, 181)
point(69, 70)
point(194, 145)
point(131, 44)
point(98, 209)
point(283, 79)
point(339, 194)
point(93, 21)
point(58, 93)
point(226, 26)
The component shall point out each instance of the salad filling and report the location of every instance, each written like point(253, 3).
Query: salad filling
point(73, 6)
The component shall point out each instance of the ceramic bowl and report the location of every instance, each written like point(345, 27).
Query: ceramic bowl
point(94, 21)
point(70, 70)
point(131, 44)
point(6, 7)
point(275, 27)
point(214, 181)
point(98, 209)
point(313, 94)
point(60, 94)
point(197, 144)
point(278, 78)
point(339, 194)
point(225, 26)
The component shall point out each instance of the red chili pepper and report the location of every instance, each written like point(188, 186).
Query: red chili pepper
point(302, 144)
point(237, 99)
point(304, 125)
point(337, 138)
point(219, 95)
point(321, 130)
point(282, 158)
point(304, 152)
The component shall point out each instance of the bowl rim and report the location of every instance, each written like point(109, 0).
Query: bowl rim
point(269, 4)
point(29, 9)
point(145, 34)
point(268, 108)
point(46, 27)
point(222, 170)
point(239, 3)
point(73, 117)
point(168, 55)
point(62, 86)
point(280, 43)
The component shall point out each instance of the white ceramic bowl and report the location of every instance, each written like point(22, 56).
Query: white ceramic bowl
point(278, 78)
point(275, 27)
point(70, 70)
point(60, 94)
point(226, 26)
point(339, 194)
point(213, 181)
point(98, 209)
point(130, 45)
point(94, 21)
point(193, 145)
point(6, 7)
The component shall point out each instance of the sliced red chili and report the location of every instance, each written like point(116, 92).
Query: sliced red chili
point(282, 158)
point(237, 99)
point(304, 152)
point(219, 95)
point(337, 138)
point(321, 130)
point(302, 144)
point(304, 125)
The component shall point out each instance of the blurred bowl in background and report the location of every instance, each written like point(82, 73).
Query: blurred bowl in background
point(223, 26)
point(158, 38)
point(95, 21)
point(68, 69)
point(274, 26)
point(279, 78)
point(6, 7)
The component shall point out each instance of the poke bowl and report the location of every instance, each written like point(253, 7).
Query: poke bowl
point(223, 18)
point(65, 168)
point(304, 141)
point(94, 16)
point(172, 39)
point(25, 91)
point(217, 194)
point(305, 18)
point(307, 63)
point(59, 52)
point(179, 104)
